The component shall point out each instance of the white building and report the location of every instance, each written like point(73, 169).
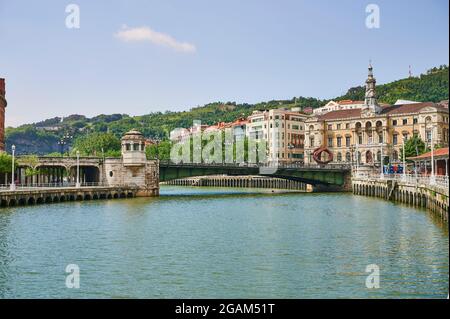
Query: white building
point(283, 131)
point(339, 105)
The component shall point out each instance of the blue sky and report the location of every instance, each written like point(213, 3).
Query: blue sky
point(188, 53)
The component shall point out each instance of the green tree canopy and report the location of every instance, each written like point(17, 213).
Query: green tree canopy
point(94, 143)
point(5, 163)
point(413, 147)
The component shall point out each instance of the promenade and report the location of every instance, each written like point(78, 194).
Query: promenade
point(430, 192)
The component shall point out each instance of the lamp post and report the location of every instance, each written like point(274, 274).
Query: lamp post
point(13, 184)
point(357, 157)
point(432, 177)
point(404, 159)
point(381, 161)
point(63, 141)
point(77, 185)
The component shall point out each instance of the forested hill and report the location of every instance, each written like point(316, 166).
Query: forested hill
point(42, 137)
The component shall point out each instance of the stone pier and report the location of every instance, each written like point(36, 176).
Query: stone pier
point(240, 181)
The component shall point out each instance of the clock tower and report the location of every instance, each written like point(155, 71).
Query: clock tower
point(370, 99)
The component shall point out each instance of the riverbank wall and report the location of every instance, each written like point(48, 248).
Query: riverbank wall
point(240, 181)
point(33, 196)
point(409, 191)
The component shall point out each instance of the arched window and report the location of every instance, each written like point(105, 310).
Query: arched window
point(348, 157)
point(369, 158)
point(339, 157)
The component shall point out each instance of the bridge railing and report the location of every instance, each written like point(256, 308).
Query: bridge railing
point(258, 165)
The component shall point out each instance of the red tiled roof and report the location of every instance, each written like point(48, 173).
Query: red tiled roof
point(340, 114)
point(389, 110)
point(441, 152)
point(409, 108)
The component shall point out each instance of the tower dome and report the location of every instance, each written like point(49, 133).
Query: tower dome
point(133, 148)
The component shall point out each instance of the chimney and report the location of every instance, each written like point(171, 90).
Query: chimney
point(2, 87)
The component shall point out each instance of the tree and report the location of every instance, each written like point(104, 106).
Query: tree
point(5, 163)
point(413, 147)
point(95, 143)
point(160, 150)
point(30, 161)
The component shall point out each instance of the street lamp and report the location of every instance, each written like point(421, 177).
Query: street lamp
point(432, 177)
point(381, 161)
point(404, 158)
point(13, 184)
point(77, 185)
point(63, 141)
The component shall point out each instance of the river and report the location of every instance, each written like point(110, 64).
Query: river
point(224, 243)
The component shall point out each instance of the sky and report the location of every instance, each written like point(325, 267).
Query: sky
point(137, 57)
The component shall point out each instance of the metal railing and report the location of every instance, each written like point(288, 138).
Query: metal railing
point(415, 179)
point(6, 187)
point(257, 165)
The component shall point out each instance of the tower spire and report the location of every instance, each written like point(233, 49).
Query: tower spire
point(370, 99)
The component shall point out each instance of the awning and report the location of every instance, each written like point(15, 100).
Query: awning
point(441, 153)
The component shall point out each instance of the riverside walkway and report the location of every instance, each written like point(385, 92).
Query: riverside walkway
point(54, 193)
point(430, 192)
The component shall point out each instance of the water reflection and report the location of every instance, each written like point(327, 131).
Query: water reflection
point(202, 242)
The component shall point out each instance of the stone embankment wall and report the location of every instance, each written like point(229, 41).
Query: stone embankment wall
point(433, 198)
point(240, 181)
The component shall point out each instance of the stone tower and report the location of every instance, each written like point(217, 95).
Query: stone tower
point(133, 168)
point(370, 100)
point(2, 114)
point(133, 149)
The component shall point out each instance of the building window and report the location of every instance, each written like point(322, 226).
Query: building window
point(395, 156)
point(330, 127)
point(338, 126)
point(111, 174)
point(128, 147)
point(339, 157)
point(405, 137)
point(311, 141)
point(395, 139)
point(330, 141)
point(347, 125)
point(360, 140)
point(394, 122)
point(405, 121)
point(380, 137)
point(348, 157)
point(339, 141)
point(347, 141)
point(415, 120)
point(428, 135)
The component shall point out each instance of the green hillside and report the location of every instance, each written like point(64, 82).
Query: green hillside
point(42, 137)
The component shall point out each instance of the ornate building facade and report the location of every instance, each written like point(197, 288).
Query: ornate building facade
point(373, 132)
point(2, 114)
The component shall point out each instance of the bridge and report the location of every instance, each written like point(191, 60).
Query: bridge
point(61, 171)
point(325, 177)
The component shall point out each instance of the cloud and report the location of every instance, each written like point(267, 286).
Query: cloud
point(142, 34)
